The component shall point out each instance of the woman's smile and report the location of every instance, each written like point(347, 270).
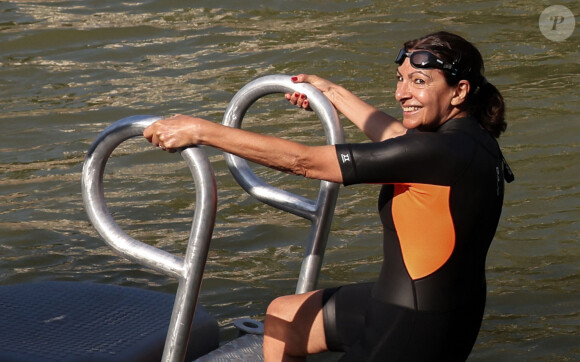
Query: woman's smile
point(411, 109)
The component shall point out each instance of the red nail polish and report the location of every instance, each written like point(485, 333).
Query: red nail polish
point(303, 96)
point(294, 79)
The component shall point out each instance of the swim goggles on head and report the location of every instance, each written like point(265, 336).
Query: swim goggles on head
point(422, 59)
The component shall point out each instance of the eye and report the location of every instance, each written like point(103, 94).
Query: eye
point(399, 78)
point(420, 81)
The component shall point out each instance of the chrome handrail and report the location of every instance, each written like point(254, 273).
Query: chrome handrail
point(319, 212)
point(187, 270)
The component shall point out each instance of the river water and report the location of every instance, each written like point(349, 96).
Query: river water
point(70, 68)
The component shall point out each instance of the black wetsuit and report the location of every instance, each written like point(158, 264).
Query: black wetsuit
point(440, 204)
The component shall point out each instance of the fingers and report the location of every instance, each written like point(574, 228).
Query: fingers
point(175, 132)
point(298, 99)
point(148, 133)
point(154, 135)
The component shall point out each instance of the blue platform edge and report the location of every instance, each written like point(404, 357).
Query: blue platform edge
point(78, 321)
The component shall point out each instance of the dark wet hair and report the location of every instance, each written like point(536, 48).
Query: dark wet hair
point(484, 101)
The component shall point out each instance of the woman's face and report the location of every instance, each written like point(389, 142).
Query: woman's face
point(426, 98)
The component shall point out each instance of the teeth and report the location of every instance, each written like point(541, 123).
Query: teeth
point(411, 109)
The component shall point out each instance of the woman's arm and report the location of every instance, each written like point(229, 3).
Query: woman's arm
point(376, 124)
point(318, 162)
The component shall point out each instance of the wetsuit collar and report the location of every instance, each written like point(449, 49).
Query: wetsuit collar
point(460, 122)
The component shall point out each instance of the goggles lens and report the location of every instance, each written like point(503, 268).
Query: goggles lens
point(422, 59)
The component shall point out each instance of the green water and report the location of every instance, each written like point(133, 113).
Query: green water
point(70, 68)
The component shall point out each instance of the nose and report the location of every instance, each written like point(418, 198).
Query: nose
point(402, 91)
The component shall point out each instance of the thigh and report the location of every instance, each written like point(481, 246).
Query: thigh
point(396, 333)
point(344, 314)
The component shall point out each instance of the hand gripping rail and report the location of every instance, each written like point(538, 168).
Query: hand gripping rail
point(319, 212)
point(188, 270)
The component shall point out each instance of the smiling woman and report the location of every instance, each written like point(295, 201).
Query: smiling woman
point(444, 56)
point(429, 299)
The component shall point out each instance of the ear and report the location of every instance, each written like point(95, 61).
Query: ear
point(461, 91)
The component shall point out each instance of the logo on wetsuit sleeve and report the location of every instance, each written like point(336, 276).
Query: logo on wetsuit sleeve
point(345, 157)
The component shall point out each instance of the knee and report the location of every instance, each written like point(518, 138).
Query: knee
point(280, 330)
point(296, 322)
point(284, 319)
point(277, 307)
point(294, 310)
point(276, 315)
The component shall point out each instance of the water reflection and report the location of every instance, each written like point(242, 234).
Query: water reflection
point(69, 69)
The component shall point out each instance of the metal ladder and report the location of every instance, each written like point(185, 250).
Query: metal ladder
point(188, 270)
point(248, 347)
point(319, 212)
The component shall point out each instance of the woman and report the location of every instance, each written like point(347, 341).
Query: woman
point(442, 174)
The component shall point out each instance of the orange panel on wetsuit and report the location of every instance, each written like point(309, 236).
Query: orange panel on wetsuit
point(424, 225)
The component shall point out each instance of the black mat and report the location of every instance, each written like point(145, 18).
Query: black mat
point(70, 321)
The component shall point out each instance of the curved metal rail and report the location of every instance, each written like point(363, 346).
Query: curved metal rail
point(319, 212)
point(188, 270)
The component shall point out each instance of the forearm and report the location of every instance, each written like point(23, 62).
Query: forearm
point(318, 162)
point(376, 124)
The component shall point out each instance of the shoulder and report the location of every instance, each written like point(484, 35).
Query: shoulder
point(449, 141)
point(469, 131)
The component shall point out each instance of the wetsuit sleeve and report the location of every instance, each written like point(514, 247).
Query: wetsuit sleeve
point(423, 157)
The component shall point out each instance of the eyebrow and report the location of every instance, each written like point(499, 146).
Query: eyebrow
point(417, 71)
